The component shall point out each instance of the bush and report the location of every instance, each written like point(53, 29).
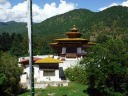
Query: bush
point(9, 75)
point(76, 73)
point(107, 69)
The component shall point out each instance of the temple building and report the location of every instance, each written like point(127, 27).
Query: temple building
point(46, 72)
point(49, 69)
point(73, 46)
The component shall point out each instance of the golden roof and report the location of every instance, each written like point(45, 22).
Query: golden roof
point(91, 43)
point(53, 43)
point(74, 29)
point(49, 60)
point(70, 39)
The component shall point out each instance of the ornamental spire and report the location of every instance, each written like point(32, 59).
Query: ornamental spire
point(74, 29)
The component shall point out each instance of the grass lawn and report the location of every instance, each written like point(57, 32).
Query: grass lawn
point(74, 89)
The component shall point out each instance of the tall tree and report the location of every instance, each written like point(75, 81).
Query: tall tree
point(17, 47)
point(107, 69)
point(5, 41)
point(9, 75)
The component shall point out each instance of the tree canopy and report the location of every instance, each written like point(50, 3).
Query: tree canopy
point(107, 69)
point(9, 75)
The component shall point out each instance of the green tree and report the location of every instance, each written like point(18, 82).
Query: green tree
point(5, 41)
point(9, 75)
point(107, 69)
point(16, 48)
point(76, 74)
point(45, 48)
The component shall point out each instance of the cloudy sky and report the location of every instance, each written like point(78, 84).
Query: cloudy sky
point(16, 10)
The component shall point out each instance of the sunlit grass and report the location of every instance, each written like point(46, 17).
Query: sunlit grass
point(74, 89)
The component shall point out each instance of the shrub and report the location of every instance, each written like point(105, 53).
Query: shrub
point(9, 75)
point(76, 73)
point(107, 69)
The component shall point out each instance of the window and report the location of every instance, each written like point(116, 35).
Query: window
point(71, 50)
point(49, 72)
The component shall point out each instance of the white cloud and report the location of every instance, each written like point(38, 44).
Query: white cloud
point(19, 12)
point(3, 1)
point(113, 4)
point(4, 4)
point(125, 3)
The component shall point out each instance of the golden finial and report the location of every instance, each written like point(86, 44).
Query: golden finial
point(74, 29)
point(48, 56)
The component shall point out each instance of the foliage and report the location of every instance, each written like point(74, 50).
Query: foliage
point(108, 24)
point(17, 44)
point(13, 27)
point(107, 69)
point(41, 47)
point(12, 43)
point(110, 21)
point(5, 41)
point(102, 38)
point(74, 89)
point(9, 75)
point(106, 65)
point(76, 74)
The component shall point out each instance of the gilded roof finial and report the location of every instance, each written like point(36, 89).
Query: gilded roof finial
point(48, 56)
point(74, 29)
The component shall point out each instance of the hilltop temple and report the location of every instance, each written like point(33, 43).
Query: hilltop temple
point(73, 46)
point(49, 69)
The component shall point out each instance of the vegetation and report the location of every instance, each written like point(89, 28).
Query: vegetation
point(110, 23)
point(107, 69)
point(9, 75)
point(13, 27)
point(77, 74)
point(74, 89)
point(104, 70)
point(17, 45)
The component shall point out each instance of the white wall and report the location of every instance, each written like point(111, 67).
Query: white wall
point(49, 78)
point(63, 50)
point(79, 51)
point(38, 74)
point(69, 62)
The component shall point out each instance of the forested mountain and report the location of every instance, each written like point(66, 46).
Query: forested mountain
point(108, 24)
point(104, 70)
point(12, 27)
point(113, 19)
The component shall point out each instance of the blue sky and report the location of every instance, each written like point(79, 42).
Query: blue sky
point(92, 5)
point(16, 10)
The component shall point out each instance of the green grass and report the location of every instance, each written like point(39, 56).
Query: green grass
point(74, 89)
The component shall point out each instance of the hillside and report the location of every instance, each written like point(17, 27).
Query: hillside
point(111, 20)
point(12, 27)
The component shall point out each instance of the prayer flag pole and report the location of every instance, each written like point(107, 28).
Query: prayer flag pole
point(29, 23)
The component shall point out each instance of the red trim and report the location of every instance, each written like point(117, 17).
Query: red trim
point(26, 61)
